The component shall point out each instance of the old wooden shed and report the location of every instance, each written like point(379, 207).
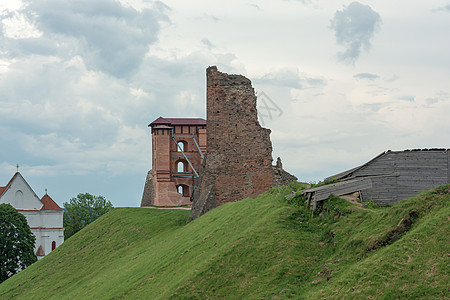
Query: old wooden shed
point(391, 176)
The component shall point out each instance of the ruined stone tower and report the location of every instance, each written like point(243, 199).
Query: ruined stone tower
point(239, 160)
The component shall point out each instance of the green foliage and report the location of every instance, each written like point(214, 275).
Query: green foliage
point(16, 242)
point(334, 207)
point(257, 248)
point(369, 204)
point(83, 210)
point(297, 186)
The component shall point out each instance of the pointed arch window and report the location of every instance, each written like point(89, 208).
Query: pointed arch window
point(18, 197)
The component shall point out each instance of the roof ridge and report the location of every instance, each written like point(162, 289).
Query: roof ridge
point(40, 251)
point(178, 121)
point(9, 183)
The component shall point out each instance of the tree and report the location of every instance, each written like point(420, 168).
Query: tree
point(16, 242)
point(83, 210)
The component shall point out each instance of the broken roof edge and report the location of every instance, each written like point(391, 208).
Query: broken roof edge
point(350, 171)
point(345, 182)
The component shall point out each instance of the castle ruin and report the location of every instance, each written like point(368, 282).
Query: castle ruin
point(224, 159)
point(239, 160)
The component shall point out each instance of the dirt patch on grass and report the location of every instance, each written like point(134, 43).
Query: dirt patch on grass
point(403, 226)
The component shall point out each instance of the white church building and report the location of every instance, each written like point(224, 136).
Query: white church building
point(44, 216)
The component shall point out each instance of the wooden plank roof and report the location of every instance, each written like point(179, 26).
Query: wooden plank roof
point(340, 188)
point(348, 172)
point(344, 174)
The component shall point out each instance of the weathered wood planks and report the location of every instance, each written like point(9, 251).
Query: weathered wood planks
point(417, 170)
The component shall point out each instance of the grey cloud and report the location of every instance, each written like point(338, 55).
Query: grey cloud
point(289, 78)
point(372, 107)
point(306, 2)
point(27, 46)
point(283, 77)
point(208, 17)
point(444, 8)
point(208, 43)
point(354, 26)
point(255, 6)
point(431, 101)
point(367, 76)
point(407, 98)
point(314, 81)
point(392, 78)
point(110, 37)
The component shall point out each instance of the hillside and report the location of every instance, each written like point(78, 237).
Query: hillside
point(256, 248)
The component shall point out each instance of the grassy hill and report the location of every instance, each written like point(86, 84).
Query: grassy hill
point(256, 248)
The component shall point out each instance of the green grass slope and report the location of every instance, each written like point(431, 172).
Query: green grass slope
point(256, 248)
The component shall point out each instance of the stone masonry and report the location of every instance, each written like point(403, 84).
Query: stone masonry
point(239, 159)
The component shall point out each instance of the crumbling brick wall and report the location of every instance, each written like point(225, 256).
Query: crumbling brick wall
point(282, 177)
point(239, 159)
point(148, 197)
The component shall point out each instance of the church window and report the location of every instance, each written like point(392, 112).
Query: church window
point(53, 245)
point(18, 199)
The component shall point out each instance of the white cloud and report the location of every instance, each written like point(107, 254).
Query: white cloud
point(17, 26)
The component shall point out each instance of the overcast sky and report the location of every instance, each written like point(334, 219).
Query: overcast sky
point(338, 82)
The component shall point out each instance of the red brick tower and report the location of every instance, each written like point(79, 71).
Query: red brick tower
point(178, 148)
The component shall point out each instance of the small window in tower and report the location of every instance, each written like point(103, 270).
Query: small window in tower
point(180, 166)
point(183, 190)
point(180, 146)
point(53, 245)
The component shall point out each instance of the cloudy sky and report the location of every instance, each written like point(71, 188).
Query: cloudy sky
point(338, 82)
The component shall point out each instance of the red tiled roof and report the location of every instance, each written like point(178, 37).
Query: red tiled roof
point(49, 204)
point(40, 251)
point(2, 188)
point(178, 121)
